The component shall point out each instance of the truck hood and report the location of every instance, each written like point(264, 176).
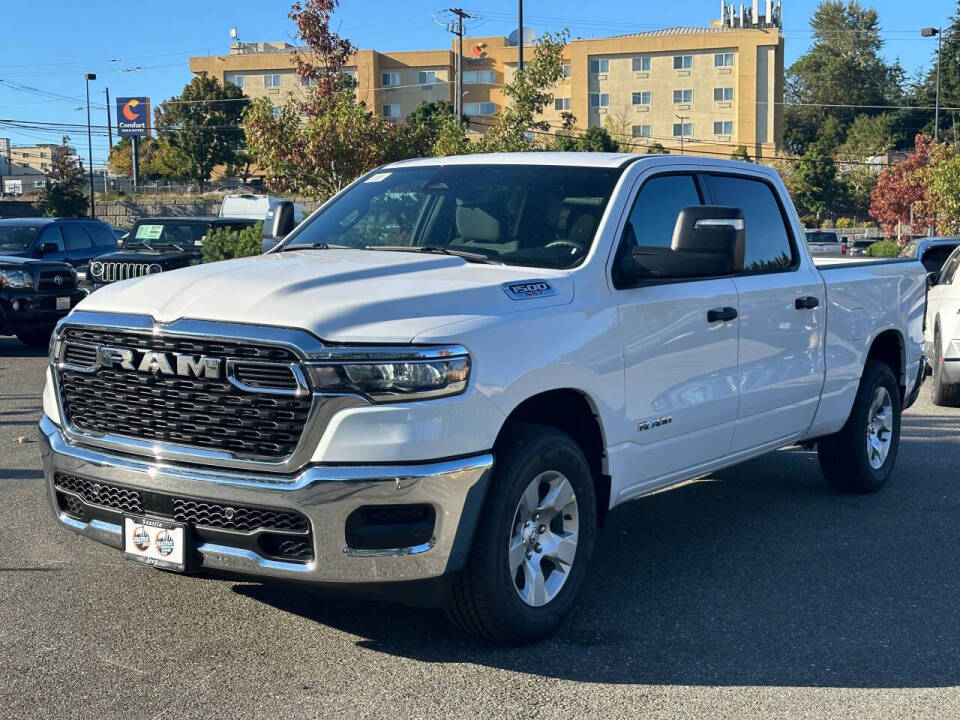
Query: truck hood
point(25, 262)
point(338, 295)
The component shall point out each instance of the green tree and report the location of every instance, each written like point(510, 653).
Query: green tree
point(813, 183)
point(869, 135)
point(656, 148)
point(203, 123)
point(741, 154)
point(926, 86)
point(527, 94)
point(434, 129)
point(64, 194)
point(224, 243)
point(843, 67)
point(945, 188)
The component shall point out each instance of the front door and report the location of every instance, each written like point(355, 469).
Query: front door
point(782, 312)
point(680, 362)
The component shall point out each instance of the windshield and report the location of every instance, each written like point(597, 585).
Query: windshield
point(541, 216)
point(154, 234)
point(16, 238)
point(909, 250)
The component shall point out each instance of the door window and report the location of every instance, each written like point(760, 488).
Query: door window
point(76, 238)
point(102, 237)
point(767, 240)
point(949, 271)
point(52, 234)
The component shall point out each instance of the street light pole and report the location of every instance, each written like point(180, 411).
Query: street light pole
point(930, 32)
point(520, 38)
point(88, 77)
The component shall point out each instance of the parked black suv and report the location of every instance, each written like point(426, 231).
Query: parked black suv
point(158, 244)
point(34, 294)
point(75, 242)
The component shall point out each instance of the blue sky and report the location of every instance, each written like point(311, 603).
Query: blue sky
point(139, 48)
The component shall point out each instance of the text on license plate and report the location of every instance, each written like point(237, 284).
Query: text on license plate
point(155, 542)
point(63, 303)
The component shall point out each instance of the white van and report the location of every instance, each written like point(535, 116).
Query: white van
point(259, 207)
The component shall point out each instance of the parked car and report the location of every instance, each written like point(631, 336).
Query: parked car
point(75, 242)
point(157, 245)
point(932, 252)
point(823, 242)
point(257, 207)
point(451, 372)
point(34, 294)
point(857, 248)
point(942, 332)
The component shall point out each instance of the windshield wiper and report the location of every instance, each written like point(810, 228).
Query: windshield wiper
point(439, 250)
point(141, 243)
point(313, 246)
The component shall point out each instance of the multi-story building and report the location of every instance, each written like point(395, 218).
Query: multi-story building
point(24, 168)
point(705, 90)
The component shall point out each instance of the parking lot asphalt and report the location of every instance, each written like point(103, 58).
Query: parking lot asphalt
point(758, 592)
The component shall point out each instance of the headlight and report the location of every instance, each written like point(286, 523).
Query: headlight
point(393, 374)
point(155, 268)
point(16, 279)
point(96, 269)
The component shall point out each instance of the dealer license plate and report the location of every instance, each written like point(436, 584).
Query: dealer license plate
point(63, 303)
point(155, 542)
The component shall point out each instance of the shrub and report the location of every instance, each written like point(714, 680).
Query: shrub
point(224, 243)
point(884, 248)
point(809, 221)
point(845, 222)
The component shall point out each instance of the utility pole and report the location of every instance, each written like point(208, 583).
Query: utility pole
point(681, 118)
point(520, 35)
point(106, 175)
point(88, 77)
point(458, 100)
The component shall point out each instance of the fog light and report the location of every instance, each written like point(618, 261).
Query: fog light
point(19, 305)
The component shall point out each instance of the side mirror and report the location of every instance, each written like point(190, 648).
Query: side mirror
point(932, 278)
point(708, 241)
point(48, 247)
point(283, 219)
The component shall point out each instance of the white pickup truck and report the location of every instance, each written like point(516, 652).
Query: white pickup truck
point(447, 376)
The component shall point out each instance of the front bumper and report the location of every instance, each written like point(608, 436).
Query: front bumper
point(25, 309)
point(326, 495)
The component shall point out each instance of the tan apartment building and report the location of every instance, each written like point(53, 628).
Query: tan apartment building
point(707, 89)
point(25, 159)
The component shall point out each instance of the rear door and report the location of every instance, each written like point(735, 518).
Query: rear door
point(680, 368)
point(782, 310)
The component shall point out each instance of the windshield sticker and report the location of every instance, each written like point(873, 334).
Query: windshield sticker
point(149, 232)
point(378, 177)
point(528, 289)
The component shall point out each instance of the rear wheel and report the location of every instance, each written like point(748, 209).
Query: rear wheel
point(941, 393)
point(533, 541)
point(36, 337)
point(860, 457)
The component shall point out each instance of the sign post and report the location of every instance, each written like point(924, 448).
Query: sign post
point(133, 121)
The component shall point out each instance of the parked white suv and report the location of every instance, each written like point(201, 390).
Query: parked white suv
point(942, 346)
point(452, 371)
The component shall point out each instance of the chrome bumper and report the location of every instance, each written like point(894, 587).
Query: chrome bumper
point(325, 495)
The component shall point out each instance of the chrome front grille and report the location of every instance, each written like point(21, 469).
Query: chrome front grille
point(114, 271)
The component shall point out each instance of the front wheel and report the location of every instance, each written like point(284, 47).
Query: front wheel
point(860, 457)
point(533, 541)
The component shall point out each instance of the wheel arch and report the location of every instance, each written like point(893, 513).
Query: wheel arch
point(889, 348)
point(574, 412)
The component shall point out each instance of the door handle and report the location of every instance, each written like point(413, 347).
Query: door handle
point(806, 303)
point(721, 314)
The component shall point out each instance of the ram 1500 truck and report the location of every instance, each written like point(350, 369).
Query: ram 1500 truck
point(443, 380)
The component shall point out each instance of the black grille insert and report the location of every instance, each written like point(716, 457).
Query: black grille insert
point(381, 527)
point(240, 519)
point(48, 280)
point(203, 412)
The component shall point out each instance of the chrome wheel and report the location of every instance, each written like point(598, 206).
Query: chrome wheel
point(879, 428)
point(543, 543)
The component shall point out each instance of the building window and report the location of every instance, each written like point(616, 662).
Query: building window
point(598, 100)
point(40, 183)
point(390, 79)
point(643, 131)
point(723, 94)
point(481, 108)
point(682, 129)
point(277, 112)
point(427, 77)
point(478, 77)
point(723, 60)
point(561, 103)
point(682, 62)
point(566, 70)
point(641, 98)
point(43, 154)
point(235, 79)
point(350, 73)
point(271, 81)
point(641, 64)
point(683, 96)
point(599, 66)
point(391, 111)
point(723, 127)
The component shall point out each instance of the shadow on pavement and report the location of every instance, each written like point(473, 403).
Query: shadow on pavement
point(11, 347)
point(760, 576)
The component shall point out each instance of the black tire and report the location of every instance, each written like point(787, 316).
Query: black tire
point(484, 599)
point(844, 458)
point(36, 337)
point(941, 393)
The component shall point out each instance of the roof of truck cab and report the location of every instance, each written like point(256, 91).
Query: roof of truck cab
point(570, 159)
